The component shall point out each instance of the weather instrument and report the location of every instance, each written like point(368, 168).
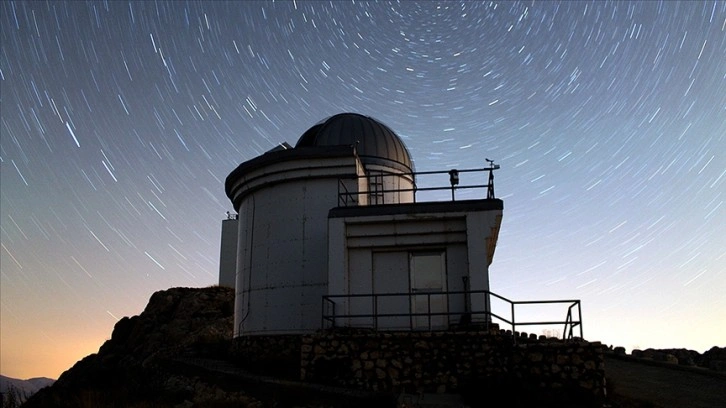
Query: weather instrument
point(490, 187)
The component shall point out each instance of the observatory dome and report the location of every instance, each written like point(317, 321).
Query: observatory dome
point(375, 142)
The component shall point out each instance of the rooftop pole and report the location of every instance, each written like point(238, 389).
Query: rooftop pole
point(490, 186)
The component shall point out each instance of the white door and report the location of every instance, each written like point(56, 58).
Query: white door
point(389, 276)
point(428, 275)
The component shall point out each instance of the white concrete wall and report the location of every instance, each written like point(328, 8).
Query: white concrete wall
point(372, 256)
point(282, 251)
point(480, 226)
point(228, 253)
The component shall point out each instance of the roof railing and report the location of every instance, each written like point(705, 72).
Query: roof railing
point(378, 185)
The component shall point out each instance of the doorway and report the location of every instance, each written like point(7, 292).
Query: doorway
point(428, 275)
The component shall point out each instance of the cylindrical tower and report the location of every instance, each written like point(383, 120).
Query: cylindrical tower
point(283, 198)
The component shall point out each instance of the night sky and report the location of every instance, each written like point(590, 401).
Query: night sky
point(120, 122)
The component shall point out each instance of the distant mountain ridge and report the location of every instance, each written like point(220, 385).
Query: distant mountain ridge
point(24, 388)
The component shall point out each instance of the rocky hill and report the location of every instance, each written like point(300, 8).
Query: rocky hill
point(149, 361)
point(131, 369)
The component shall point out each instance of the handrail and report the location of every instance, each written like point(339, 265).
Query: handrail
point(347, 198)
point(569, 323)
point(330, 315)
point(344, 195)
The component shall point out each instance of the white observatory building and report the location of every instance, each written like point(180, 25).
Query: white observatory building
point(335, 232)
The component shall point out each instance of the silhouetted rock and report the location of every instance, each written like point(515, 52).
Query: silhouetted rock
point(714, 359)
point(132, 367)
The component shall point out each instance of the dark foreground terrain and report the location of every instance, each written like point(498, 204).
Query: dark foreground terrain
point(177, 354)
point(660, 385)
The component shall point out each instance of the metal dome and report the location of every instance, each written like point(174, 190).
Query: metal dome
point(375, 142)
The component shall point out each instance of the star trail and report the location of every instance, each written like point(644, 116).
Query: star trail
point(121, 120)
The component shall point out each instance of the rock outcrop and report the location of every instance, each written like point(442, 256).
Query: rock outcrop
point(713, 359)
point(132, 368)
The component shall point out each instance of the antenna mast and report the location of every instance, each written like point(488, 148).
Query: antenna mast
point(490, 186)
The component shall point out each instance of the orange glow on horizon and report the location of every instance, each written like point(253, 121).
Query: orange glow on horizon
point(26, 357)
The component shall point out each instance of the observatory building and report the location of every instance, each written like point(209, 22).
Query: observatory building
point(338, 231)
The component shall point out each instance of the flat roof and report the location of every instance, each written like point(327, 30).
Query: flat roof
point(412, 208)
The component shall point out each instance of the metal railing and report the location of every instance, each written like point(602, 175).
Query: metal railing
point(379, 317)
point(376, 182)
